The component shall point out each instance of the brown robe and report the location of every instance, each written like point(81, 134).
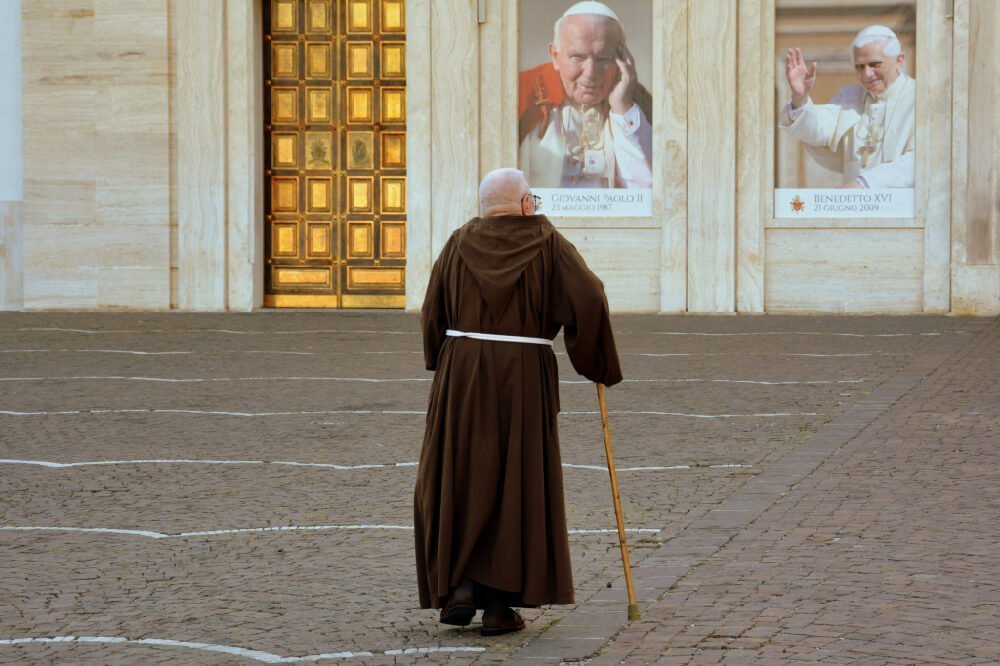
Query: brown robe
point(488, 502)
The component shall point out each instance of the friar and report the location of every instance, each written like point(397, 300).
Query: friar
point(490, 515)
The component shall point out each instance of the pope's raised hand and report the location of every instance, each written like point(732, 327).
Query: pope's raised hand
point(620, 97)
point(800, 77)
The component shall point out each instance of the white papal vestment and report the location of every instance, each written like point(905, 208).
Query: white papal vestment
point(836, 133)
point(609, 150)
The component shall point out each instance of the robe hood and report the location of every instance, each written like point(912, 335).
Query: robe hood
point(497, 250)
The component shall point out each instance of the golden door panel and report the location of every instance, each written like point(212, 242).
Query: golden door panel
point(393, 240)
point(360, 106)
point(285, 239)
point(393, 60)
point(284, 16)
point(393, 105)
point(319, 16)
point(319, 60)
point(360, 60)
point(393, 15)
point(285, 106)
point(360, 150)
point(284, 60)
point(393, 150)
point(311, 278)
point(335, 159)
point(285, 194)
point(285, 150)
point(393, 195)
point(360, 197)
point(319, 108)
point(320, 153)
point(320, 195)
point(379, 278)
point(319, 237)
point(359, 16)
point(361, 240)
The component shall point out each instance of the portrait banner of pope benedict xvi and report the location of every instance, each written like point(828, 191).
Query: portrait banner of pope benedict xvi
point(584, 114)
point(846, 113)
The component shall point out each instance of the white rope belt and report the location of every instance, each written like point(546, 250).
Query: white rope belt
point(493, 337)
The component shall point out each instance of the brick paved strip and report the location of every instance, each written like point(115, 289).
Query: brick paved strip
point(706, 535)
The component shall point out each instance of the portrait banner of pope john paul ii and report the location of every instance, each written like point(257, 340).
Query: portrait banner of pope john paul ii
point(584, 110)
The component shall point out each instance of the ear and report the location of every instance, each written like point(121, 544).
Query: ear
point(553, 52)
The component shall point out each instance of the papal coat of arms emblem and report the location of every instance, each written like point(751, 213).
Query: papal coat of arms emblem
point(798, 205)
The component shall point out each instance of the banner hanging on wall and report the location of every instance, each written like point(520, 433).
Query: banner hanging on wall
point(846, 115)
point(584, 116)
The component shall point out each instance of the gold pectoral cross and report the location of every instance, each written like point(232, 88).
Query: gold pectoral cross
point(866, 152)
point(870, 135)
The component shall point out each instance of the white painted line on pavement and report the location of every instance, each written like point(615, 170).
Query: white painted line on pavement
point(678, 467)
point(189, 331)
point(291, 528)
point(652, 354)
point(432, 650)
point(840, 355)
point(195, 380)
point(693, 416)
point(96, 351)
point(98, 463)
point(100, 530)
point(70, 330)
point(724, 381)
point(260, 530)
point(256, 655)
point(744, 334)
point(369, 380)
point(670, 468)
point(200, 412)
point(383, 412)
point(182, 461)
point(213, 353)
point(306, 331)
point(634, 530)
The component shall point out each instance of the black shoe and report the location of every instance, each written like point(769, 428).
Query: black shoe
point(508, 622)
point(458, 614)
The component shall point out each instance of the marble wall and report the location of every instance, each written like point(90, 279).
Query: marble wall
point(975, 213)
point(142, 161)
point(12, 150)
point(97, 154)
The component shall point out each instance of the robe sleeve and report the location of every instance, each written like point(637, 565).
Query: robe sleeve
point(822, 125)
point(815, 124)
point(898, 173)
point(433, 314)
point(581, 307)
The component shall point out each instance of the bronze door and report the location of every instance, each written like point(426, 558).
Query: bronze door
point(335, 162)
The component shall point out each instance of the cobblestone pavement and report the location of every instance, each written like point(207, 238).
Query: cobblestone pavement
point(808, 488)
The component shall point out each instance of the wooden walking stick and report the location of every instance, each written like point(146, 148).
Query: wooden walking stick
point(633, 608)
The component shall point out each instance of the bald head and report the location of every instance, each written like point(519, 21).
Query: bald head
point(501, 192)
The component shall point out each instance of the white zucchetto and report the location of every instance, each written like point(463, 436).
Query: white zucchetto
point(874, 31)
point(593, 8)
